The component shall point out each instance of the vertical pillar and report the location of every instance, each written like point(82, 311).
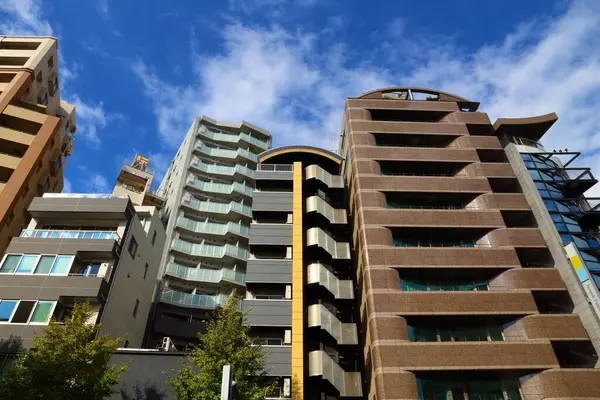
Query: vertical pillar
point(297, 287)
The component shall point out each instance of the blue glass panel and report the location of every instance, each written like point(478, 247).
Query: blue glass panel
point(561, 227)
point(566, 239)
point(556, 217)
point(534, 175)
point(6, 309)
point(573, 228)
point(550, 205)
point(540, 185)
point(525, 156)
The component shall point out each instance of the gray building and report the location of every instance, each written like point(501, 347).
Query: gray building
point(82, 247)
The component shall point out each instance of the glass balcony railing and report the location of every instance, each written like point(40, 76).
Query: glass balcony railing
point(220, 187)
point(62, 234)
point(213, 228)
point(231, 138)
point(205, 301)
point(218, 208)
point(225, 153)
point(222, 169)
point(84, 196)
point(211, 251)
point(205, 274)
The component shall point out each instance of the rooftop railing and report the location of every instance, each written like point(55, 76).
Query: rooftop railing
point(275, 167)
point(66, 234)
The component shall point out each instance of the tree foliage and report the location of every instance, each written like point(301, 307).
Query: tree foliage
point(226, 342)
point(67, 362)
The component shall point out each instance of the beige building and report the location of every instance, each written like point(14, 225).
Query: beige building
point(35, 128)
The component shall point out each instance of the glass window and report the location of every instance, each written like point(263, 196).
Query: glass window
point(23, 312)
point(41, 313)
point(445, 335)
point(550, 205)
point(534, 175)
point(573, 228)
point(92, 270)
point(44, 265)
point(540, 185)
point(424, 335)
point(529, 164)
point(6, 309)
point(27, 264)
point(496, 333)
point(412, 286)
point(485, 390)
point(561, 227)
point(62, 265)
point(132, 249)
point(481, 286)
point(525, 156)
point(544, 193)
point(566, 239)
point(10, 263)
point(556, 217)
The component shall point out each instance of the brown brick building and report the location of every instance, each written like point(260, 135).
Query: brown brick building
point(35, 128)
point(459, 295)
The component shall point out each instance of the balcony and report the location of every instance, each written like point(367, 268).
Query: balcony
point(93, 243)
point(211, 228)
point(318, 237)
point(274, 171)
point(191, 300)
point(318, 173)
point(205, 274)
point(317, 205)
point(319, 274)
point(220, 188)
point(233, 138)
point(525, 355)
point(239, 154)
point(210, 251)
point(321, 317)
point(215, 169)
point(347, 383)
point(210, 207)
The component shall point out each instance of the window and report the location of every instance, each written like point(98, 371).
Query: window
point(57, 163)
point(27, 264)
point(26, 311)
point(11, 261)
point(51, 62)
point(476, 389)
point(38, 77)
point(153, 238)
point(62, 265)
point(45, 265)
point(132, 249)
point(145, 271)
point(414, 285)
point(455, 334)
point(405, 242)
point(135, 308)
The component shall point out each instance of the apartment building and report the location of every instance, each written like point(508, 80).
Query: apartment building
point(35, 128)
point(208, 190)
point(460, 295)
point(554, 187)
point(98, 248)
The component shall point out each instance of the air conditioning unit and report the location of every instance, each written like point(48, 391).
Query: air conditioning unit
point(167, 344)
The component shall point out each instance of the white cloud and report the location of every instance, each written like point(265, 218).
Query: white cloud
point(92, 117)
point(67, 187)
point(25, 18)
point(294, 86)
point(102, 8)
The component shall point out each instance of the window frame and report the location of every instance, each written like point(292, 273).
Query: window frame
point(132, 242)
point(18, 302)
point(37, 263)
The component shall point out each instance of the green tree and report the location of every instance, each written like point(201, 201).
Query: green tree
point(226, 342)
point(67, 362)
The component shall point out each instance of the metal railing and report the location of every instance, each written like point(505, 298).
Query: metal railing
point(207, 250)
point(220, 187)
point(205, 274)
point(130, 187)
point(213, 228)
point(219, 208)
point(429, 243)
point(275, 167)
point(77, 234)
point(425, 207)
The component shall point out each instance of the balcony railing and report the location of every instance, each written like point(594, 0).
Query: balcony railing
point(213, 228)
point(211, 251)
point(218, 208)
point(222, 169)
point(204, 301)
point(205, 274)
point(225, 153)
point(220, 187)
point(233, 138)
point(60, 234)
point(275, 167)
point(84, 196)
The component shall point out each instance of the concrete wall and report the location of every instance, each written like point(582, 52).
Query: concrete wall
point(130, 285)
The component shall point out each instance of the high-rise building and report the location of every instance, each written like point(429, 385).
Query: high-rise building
point(35, 128)
point(459, 294)
point(554, 187)
point(208, 190)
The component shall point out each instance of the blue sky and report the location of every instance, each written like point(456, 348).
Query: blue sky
point(140, 70)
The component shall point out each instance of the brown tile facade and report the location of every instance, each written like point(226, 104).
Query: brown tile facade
point(409, 254)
